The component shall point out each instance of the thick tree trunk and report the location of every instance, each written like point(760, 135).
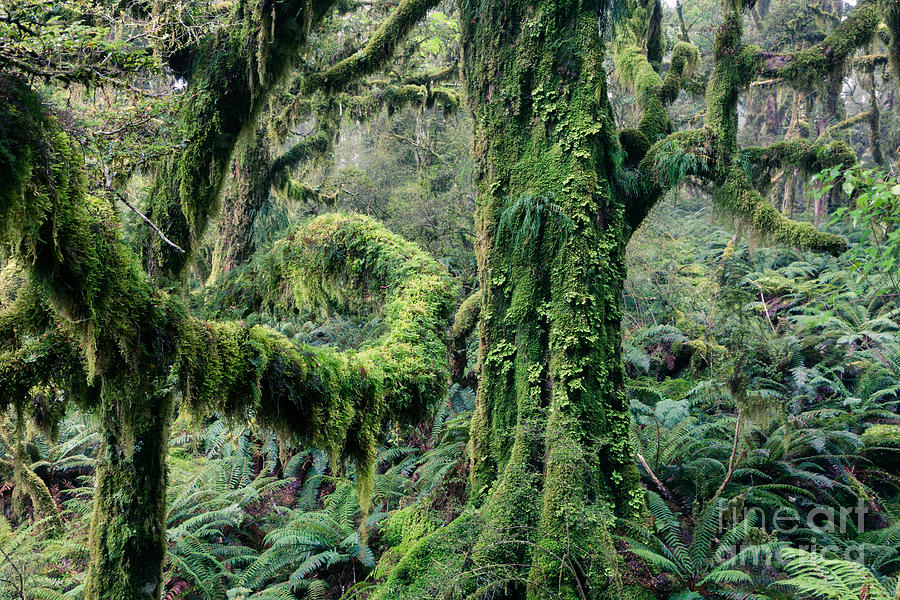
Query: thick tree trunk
point(245, 195)
point(128, 529)
point(551, 457)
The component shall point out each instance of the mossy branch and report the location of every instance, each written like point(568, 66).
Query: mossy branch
point(464, 323)
point(377, 52)
point(738, 197)
point(397, 96)
point(654, 94)
point(693, 153)
point(45, 509)
point(260, 46)
point(813, 65)
point(336, 400)
point(807, 157)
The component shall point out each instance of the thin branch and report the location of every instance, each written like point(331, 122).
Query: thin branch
point(152, 225)
point(731, 461)
point(18, 572)
point(659, 484)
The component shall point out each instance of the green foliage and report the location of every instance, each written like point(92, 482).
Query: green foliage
point(715, 560)
point(814, 576)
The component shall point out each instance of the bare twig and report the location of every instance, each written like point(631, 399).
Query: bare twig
point(152, 225)
point(18, 571)
point(731, 465)
point(659, 484)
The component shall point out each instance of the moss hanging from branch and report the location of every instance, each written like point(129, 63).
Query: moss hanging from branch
point(231, 76)
point(738, 197)
point(810, 67)
point(67, 241)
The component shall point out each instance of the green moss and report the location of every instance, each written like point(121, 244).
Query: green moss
point(811, 66)
point(738, 197)
point(653, 94)
point(882, 436)
point(436, 565)
point(232, 74)
point(892, 20)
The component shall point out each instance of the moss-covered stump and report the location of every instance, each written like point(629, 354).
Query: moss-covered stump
point(882, 444)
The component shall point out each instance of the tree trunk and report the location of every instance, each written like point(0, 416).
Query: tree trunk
point(128, 529)
point(245, 196)
point(551, 457)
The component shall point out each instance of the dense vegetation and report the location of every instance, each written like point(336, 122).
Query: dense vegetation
point(424, 299)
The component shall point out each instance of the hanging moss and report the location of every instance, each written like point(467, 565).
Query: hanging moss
point(892, 20)
point(811, 66)
point(44, 506)
point(639, 69)
point(231, 76)
point(66, 240)
point(464, 323)
point(738, 197)
point(654, 94)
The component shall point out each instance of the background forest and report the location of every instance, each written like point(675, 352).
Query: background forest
point(763, 381)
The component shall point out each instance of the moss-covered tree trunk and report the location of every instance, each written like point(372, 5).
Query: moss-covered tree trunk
point(551, 458)
point(128, 528)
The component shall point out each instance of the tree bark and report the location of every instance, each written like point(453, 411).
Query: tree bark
point(128, 528)
point(551, 460)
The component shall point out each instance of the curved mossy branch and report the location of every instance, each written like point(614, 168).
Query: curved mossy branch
point(379, 49)
point(693, 153)
point(232, 75)
point(464, 323)
point(319, 396)
point(257, 174)
point(130, 334)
